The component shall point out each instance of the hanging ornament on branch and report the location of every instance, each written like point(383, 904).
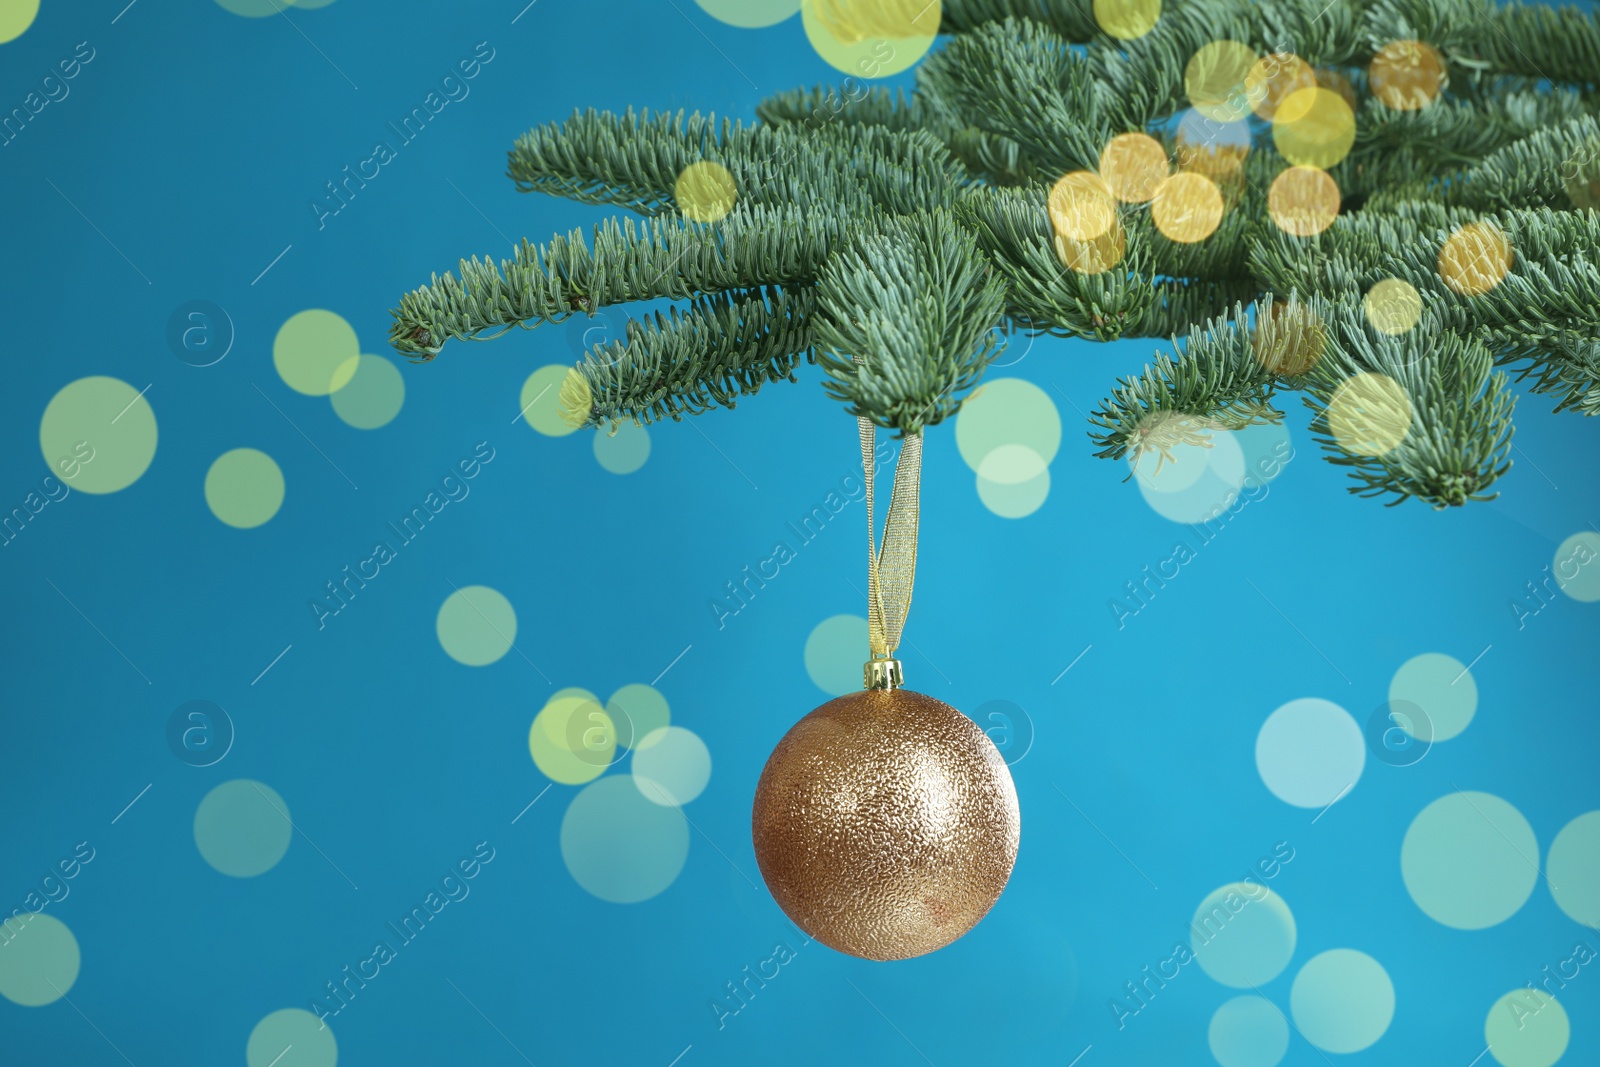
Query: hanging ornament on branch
point(886, 822)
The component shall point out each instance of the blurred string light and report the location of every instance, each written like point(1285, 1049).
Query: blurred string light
point(750, 14)
point(1314, 127)
point(1127, 20)
point(1273, 77)
point(705, 191)
point(1215, 80)
point(1008, 433)
point(1475, 258)
point(1303, 201)
point(1393, 306)
point(623, 838)
point(1187, 207)
point(1369, 414)
point(1407, 75)
point(871, 38)
point(1132, 166)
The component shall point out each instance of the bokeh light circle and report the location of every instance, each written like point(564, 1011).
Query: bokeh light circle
point(1527, 1028)
point(1303, 201)
point(373, 394)
point(1573, 869)
point(1133, 165)
point(871, 38)
point(1369, 414)
point(1081, 206)
point(623, 451)
point(1310, 752)
point(1194, 482)
point(242, 828)
point(1469, 860)
point(541, 401)
point(638, 711)
point(1289, 338)
point(1475, 258)
point(573, 739)
point(1013, 481)
point(1407, 75)
point(476, 625)
point(291, 1037)
point(1273, 77)
point(618, 845)
point(98, 434)
point(1242, 934)
point(39, 959)
point(1442, 687)
point(835, 652)
point(1214, 79)
point(254, 9)
point(1577, 566)
point(1127, 20)
point(1007, 411)
point(1187, 207)
point(1342, 1000)
point(705, 191)
point(1248, 1031)
point(316, 352)
point(1393, 306)
point(1096, 256)
point(1314, 127)
point(244, 488)
point(15, 18)
point(672, 766)
point(750, 14)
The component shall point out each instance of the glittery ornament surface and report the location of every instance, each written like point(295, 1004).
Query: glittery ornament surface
point(886, 824)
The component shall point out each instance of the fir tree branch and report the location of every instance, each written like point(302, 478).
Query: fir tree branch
point(664, 257)
point(723, 347)
point(917, 302)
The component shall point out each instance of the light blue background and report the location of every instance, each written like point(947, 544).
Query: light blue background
point(194, 141)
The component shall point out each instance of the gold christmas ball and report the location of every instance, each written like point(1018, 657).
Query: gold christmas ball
point(886, 824)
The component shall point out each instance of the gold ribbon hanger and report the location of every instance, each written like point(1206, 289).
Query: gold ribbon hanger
point(891, 567)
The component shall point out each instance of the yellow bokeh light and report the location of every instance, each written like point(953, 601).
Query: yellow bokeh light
point(1303, 201)
point(244, 488)
point(314, 352)
point(1475, 258)
point(1127, 19)
point(1215, 80)
point(871, 38)
point(1094, 256)
point(1289, 339)
point(552, 398)
point(573, 739)
point(15, 18)
point(1081, 206)
point(1407, 75)
point(1187, 207)
point(1132, 165)
point(1393, 306)
point(1369, 415)
point(1273, 77)
point(750, 14)
point(1314, 127)
point(705, 191)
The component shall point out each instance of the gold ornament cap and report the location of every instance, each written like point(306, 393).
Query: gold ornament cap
point(882, 674)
